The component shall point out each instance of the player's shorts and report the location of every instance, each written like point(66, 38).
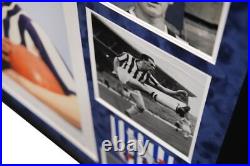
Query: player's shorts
point(129, 82)
point(123, 75)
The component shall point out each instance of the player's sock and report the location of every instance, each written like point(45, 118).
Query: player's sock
point(125, 92)
point(133, 110)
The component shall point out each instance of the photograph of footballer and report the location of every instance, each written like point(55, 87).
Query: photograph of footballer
point(37, 70)
point(33, 62)
point(195, 24)
point(149, 88)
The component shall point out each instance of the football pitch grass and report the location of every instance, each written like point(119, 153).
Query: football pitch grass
point(150, 119)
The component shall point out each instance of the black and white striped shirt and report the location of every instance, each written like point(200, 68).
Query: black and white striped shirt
point(20, 29)
point(129, 63)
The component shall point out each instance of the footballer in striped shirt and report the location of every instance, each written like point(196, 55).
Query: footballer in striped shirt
point(137, 75)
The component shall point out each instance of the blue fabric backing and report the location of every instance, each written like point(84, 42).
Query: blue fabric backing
point(227, 76)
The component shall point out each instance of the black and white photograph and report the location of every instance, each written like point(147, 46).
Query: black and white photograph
point(149, 88)
point(197, 26)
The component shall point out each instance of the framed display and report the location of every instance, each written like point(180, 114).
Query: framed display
point(38, 76)
point(136, 83)
point(144, 85)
